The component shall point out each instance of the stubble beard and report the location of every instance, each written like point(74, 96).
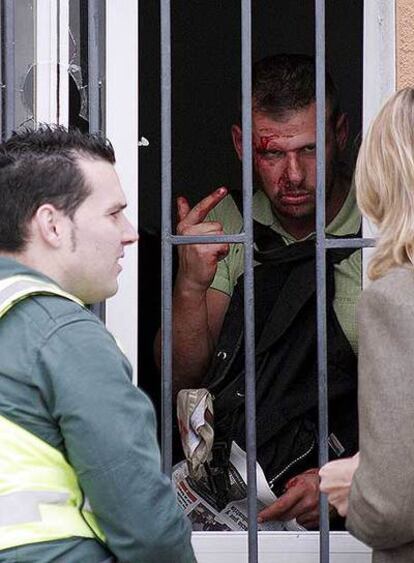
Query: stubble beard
point(73, 240)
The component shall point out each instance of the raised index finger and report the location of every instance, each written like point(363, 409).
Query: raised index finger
point(200, 211)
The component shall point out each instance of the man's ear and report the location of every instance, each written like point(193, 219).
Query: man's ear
point(342, 131)
point(236, 134)
point(49, 224)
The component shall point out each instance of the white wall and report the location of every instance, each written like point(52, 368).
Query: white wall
point(122, 130)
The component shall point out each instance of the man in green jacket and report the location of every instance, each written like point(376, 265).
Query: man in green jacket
point(80, 475)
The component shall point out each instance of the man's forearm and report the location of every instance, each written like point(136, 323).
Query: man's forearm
point(193, 335)
point(198, 318)
point(193, 344)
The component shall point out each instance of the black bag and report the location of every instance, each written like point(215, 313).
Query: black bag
point(286, 364)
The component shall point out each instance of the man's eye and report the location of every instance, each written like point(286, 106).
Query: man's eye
point(310, 149)
point(272, 154)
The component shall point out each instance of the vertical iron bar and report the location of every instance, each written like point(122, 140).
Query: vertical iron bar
point(58, 63)
point(94, 109)
point(249, 342)
point(166, 180)
point(138, 191)
point(9, 105)
point(321, 266)
point(93, 65)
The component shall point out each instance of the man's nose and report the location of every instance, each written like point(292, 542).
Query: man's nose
point(294, 169)
point(130, 233)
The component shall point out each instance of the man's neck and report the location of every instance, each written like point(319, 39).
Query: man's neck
point(16, 256)
point(301, 227)
point(30, 260)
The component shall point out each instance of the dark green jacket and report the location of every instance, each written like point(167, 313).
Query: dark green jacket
point(63, 378)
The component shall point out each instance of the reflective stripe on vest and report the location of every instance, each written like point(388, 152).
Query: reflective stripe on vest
point(16, 288)
point(40, 498)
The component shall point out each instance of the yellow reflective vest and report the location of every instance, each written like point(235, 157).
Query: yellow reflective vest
point(40, 498)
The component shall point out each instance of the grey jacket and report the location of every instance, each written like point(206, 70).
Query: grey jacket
point(381, 507)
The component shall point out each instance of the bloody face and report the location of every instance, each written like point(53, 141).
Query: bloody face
point(284, 152)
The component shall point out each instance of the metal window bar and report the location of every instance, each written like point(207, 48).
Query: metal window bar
point(95, 10)
point(8, 70)
point(321, 269)
point(249, 327)
point(166, 289)
point(322, 245)
point(58, 69)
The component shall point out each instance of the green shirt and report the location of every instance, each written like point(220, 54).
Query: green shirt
point(63, 378)
point(347, 272)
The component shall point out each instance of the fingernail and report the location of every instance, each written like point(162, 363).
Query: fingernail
point(259, 520)
point(221, 190)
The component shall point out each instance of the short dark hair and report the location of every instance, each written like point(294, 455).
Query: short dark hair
point(41, 166)
point(287, 82)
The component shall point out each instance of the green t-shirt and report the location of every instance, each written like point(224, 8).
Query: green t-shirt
point(347, 273)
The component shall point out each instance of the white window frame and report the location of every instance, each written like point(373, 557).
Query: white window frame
point(122, 130)
point(121, 126)
point(51, 44)
point(379, 82)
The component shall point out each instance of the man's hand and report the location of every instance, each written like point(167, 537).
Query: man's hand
point(198, 262)
point(336, 478)
point(300, 501)
point(198, 311)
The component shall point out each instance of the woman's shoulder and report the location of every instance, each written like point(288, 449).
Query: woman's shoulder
point(396, 285)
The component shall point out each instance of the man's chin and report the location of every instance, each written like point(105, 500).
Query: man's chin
point(295, 211)
point(111, 291)
point(103, 295)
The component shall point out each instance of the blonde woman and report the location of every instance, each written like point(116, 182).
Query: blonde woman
point(380, 505)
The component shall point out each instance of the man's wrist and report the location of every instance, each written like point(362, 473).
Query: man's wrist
point(190, 289)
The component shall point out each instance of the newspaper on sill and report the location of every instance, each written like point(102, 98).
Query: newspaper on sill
point(197, 501)
point(195, 413)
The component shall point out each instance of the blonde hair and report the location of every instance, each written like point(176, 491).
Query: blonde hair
point(384, 178)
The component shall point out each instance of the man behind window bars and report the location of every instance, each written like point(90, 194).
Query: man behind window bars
point(208, 293)
point(80, 475)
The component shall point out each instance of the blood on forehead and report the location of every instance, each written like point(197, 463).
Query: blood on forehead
point(264, 141)
point(280, 142)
